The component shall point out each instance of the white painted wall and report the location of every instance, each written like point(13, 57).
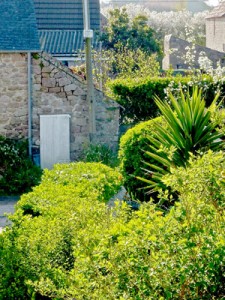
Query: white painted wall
point(54, 140)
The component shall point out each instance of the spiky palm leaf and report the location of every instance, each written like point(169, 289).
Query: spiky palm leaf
point(188, 130)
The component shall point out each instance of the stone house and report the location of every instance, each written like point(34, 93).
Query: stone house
point(41, 99)
point(60, 27)
point(176, 49)
point(215, 28)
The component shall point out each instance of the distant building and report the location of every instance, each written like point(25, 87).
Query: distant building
point(167, 5)
point(215, 28)
point(175, 50)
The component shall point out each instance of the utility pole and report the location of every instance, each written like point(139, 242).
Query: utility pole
point(88, 35)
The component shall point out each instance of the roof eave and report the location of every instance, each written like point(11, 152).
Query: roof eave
point(19, 51)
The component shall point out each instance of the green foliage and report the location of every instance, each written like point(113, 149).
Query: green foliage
point(188, 130)
point(122, 63)
point(100, 153)
point(132, 154)
point(137, 95)
point(203, 178)
point(42, 244)
point(17, 172)
point(79, 249)
point(120, 33)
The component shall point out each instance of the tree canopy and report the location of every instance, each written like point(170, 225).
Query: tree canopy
point(121, 32)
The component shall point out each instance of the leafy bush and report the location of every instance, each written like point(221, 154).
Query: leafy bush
point(17, 172)
point(189, 130)
point(82, 250)
point(137, 95)
point(132, 154)
point(149, 149)
point(69, 198)
point(204, 178)
point(100, 153)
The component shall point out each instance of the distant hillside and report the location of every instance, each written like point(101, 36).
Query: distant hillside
point(166, 5)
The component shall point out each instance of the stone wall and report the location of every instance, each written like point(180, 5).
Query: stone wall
point(175, 50)
point(13, 95)
point(215, 33)
point(56, 90)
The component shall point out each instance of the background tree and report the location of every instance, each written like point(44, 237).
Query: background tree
point(123, 32)
point(177, 23)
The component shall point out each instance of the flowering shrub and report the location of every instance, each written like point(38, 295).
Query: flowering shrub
point(177, 23)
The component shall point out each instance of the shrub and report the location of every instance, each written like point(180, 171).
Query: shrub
point(82, 250)
point(40, 244)
point(17, 172)
point(132, 154)
point(100, 153)
point(149, 149)
point(136, 95)
point(189, 130)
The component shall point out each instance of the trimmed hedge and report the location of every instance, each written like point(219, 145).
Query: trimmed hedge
point(133, 145)
point(79, 249)
point(136, 96)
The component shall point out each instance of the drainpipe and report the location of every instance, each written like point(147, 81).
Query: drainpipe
point(29, 103)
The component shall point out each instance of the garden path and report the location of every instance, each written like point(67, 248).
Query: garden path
point(6, 206)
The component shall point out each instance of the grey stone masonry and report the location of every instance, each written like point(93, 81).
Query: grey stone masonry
point(56, 90)
point(176, 49)
point(13, 95)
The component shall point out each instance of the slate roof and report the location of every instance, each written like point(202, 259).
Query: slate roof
point(63, 42)
point(217, 12)
point(18, 29)
point(60, 25)
point(65, 14)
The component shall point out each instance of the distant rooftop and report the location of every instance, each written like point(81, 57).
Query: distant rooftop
point(63, 42)
point(18, 29)
point(217, 12)
point(65, 14)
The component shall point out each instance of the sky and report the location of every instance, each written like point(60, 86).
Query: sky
point(212, 2)
point(209, 2)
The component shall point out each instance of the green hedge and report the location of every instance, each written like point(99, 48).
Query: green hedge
point(41, 243)
point(133, 145)
point(79, 249)
point(17, 171)
point(136, 96)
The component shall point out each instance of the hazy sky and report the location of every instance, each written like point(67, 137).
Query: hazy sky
point(212, 2)
point(209, 2)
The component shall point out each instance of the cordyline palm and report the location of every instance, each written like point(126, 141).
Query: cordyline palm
point(188, 130)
